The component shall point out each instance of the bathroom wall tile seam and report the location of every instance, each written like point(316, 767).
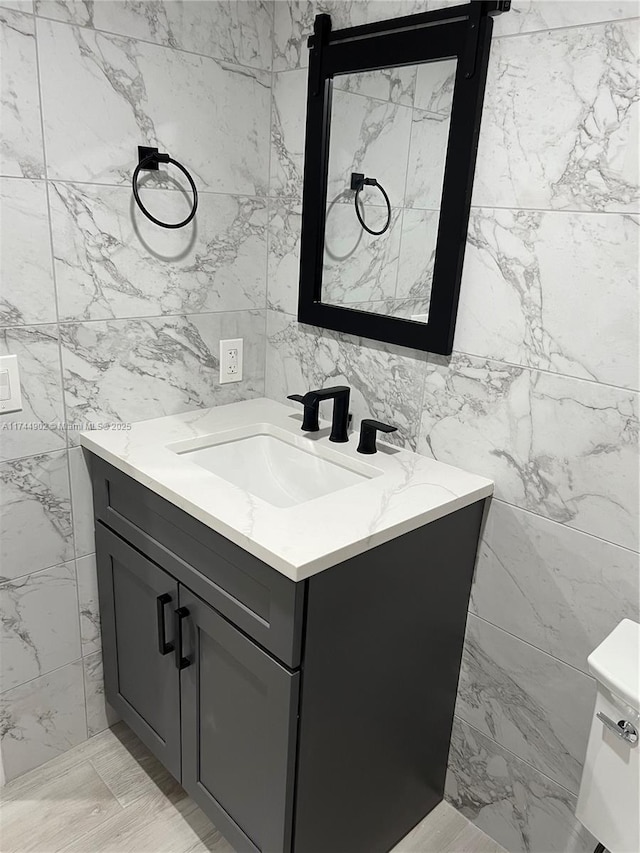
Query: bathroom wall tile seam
point(517, 757)
point(574, 211)
point(271, 200)
point(530, 368)
point(142, 41)
point(72, 182)
point(47, 672)
point(564, 526)
point(531, 645)
point(605, 23)
point(134, 317)
point(60, 363)
point(500, 36)
point(533, 369)
point(284, 199)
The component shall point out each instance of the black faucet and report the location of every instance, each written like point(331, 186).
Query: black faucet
point(311, 402)
point(368, 430)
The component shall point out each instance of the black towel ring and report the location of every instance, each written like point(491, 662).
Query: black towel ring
point(358, 181)
point(148, 158)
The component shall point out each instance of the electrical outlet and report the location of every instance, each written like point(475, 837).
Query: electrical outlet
point(10, 393)
point(231, 360)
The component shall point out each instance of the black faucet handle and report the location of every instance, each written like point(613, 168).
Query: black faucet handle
point(368, 430)
point(311, 407)
point(331, 393)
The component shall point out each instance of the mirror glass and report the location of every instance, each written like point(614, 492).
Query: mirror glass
point(390, 126)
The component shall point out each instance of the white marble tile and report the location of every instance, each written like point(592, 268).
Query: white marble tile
point(359, 266)
point(81, 503)
point(397, 85)
point(130, 370)
point(434, 86)
point(21, 151)
point(557, 588)
point(38, 427)
point(521, 808)
point(417, 254)
point(25, 6)
point(237, 32)
point(293, 24)
point(427, 155)
point(564, 448)
point(38, 624)
point(288, 116)
point(385, 381)
point(559, 126)
point(41, 719)
point(363, 133)
point(35, 521)
point(529, 15)
point(209, 115)
point(285, 220)
point(111, 261)
point(88, 600)
point(527, 701)
point(26, 278)
point(526, 299)
point(100, 715)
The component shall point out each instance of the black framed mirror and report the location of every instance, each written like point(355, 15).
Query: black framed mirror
point(393, 119)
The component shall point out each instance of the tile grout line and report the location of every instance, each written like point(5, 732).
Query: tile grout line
point(49, 672)
point(287, 199)
point(60, 360)
point(516, 756)
point(531, 645)
point(497, 360)
point(582, 25)
point(576, 530)
point(270, 201)
point(128, 319)
point(499, 36)
point(256, 69)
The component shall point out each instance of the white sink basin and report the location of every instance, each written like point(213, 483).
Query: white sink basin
point(271, 464)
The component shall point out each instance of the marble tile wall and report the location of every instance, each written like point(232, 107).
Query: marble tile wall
point(113, 319)
point(540, 394)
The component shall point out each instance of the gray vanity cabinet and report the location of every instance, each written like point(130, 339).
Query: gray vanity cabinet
point(142, 685)
point(302, 717)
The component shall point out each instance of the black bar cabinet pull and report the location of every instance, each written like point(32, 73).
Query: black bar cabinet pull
point(180, 614)
point(161, 602)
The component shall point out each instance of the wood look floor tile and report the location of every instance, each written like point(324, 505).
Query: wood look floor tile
point(110, 795)
point(53, 812)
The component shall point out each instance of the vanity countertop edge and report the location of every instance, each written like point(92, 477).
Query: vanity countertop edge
point(301, 540)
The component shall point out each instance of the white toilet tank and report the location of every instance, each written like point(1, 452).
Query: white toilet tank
point(609, 799)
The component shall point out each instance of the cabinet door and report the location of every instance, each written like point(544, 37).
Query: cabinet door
point(239, 725)
point(142, 680)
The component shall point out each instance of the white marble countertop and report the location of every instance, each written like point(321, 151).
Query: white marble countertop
point(407, 491)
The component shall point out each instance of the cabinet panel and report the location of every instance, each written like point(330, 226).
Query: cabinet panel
point(238, 731)
point(259, 600)
point(141, 682)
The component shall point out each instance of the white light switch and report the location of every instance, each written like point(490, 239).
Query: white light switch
point(10, 394)
point(231, 360)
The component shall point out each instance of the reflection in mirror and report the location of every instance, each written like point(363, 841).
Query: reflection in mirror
point(389, 126)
